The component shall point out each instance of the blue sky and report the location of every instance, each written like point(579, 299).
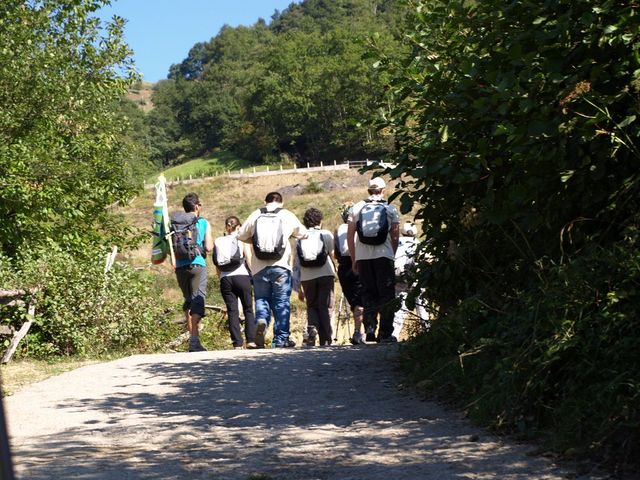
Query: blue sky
point(161, 32)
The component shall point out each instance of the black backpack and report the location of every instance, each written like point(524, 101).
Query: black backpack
point(312, 252)
point(227, 253)
point(373, 225)
point(268, 236)
point(184, 236)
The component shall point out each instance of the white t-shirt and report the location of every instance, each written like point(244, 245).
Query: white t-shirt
point(404, 254)
point(242, 268)
point(369, 252)
point(291, 229)
point(328, 269)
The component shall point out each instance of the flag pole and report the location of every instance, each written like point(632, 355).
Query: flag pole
point(165, 218)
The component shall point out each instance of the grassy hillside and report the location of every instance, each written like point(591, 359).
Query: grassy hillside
point(217, 163)
point(224, 196)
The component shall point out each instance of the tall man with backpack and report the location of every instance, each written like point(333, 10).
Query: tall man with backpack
point(269, 230)
point(192, 240)
point(372, 236)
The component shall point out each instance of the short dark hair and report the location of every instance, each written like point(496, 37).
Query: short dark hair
point(312, 217)
point(374, 191)
point(190, 202)
point(273, 197)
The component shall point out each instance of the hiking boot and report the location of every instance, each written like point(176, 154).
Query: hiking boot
point(285, 344)
point(357, 339)
point(196, 347)
point(251, 346)
point(371, 334)
point(312, 334)
point(260, 329)
point(389, 339)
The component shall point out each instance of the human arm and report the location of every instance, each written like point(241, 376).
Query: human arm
point(351, 244)
point(246, 230)
point(208, 239)
point(394, 234)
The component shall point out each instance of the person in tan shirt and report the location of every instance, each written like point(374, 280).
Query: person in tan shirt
point(270, 231)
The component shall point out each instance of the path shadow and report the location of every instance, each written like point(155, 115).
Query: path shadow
point(331, 413)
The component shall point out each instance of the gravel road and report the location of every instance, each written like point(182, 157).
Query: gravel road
point(324, 413)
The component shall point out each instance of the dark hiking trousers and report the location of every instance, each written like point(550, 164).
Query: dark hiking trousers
point(378, 280)
point(318, 293)
point(233, 288)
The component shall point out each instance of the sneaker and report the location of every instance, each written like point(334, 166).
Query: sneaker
point(285, 344)
point(251, 345)
point(389, 339)
point(196, 347)
point(260, 329)
point(357, 339)
point(371, 334)
point(238, 348)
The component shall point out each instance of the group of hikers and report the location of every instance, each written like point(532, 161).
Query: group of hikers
point(272, 254)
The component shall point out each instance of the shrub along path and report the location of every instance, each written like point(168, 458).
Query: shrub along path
point(325, 413)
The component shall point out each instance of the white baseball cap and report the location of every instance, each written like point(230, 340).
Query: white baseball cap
point(377, 183)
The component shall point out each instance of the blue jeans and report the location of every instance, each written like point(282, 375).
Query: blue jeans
point(272, 288)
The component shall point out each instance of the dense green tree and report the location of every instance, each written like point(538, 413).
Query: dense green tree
point(518, 136)
point(299, 87)
point(62, 158)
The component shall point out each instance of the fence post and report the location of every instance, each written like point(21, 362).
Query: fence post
point(307, 164)
point(335, 164)
point(280, 167)
point(254, 169)
point(242, 171)
point(267, 168)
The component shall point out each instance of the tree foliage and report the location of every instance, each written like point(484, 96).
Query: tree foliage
point(62, 158)
point(517, 127)
point(298, 87)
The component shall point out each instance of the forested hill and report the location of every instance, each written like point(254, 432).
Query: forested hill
point(296, 88)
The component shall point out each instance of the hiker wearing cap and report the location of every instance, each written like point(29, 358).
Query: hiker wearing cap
point(229, 257)
point(192, 240)
point(314, 277)
point(269, 230)
point(403, 264)
point(349, 280)
point(372, 236)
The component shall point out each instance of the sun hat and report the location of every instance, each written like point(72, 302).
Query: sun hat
point(377, 183)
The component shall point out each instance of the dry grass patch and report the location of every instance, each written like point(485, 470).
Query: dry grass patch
point(18, 374)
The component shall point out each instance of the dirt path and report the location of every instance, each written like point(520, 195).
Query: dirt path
point(332, 413)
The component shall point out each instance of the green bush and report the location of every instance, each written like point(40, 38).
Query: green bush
point(517, 127)
point(562, 363)
point(81, 310)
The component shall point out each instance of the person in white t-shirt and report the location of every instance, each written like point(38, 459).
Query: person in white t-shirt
point(349, 280)
point(316, 277)
point(272, 279)
point(235, 283)
point(372, 236)
point(404, 262)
